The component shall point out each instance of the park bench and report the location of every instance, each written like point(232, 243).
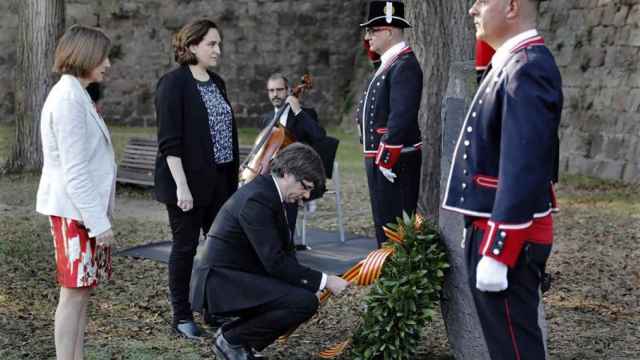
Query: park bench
point(139, 160)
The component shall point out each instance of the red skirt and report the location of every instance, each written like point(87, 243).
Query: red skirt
point(79, 262)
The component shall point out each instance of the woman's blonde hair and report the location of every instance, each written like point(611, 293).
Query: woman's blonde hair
point(190, 34)
point(80, 50)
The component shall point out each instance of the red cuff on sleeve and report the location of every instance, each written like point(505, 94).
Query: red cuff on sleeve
point(388, 155)
point(504, 242)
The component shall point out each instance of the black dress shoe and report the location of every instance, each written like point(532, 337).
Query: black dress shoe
point(256, 355)
point(188, 329)
point(226, 351)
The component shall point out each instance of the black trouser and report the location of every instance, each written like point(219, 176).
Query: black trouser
point(509, 318)
point(389, 200)
point(260, 326)
point(186, 228)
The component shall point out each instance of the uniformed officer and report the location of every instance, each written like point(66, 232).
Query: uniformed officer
point(387, 117)
point(502, 176)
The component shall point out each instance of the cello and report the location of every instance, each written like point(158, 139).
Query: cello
point(271, 139)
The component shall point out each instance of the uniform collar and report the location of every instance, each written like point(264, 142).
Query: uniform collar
point(392, 52)
point(505, 51)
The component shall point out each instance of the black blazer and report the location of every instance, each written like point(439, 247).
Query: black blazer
point(249, 257)
point(306, 129)
point(304, 126)
point(183, 131)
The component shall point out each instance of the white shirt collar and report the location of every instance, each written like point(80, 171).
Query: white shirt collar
point(284, 116)
point(391, 53)
point(503, 53)
point(278, 188)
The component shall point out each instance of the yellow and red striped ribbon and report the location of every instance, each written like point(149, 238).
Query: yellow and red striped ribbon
point(364, 273)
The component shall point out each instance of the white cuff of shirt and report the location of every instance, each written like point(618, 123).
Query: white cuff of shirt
point(323, 282)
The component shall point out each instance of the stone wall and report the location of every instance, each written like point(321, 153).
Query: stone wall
point(596, 43)
point(259, 37)
point(597, 46)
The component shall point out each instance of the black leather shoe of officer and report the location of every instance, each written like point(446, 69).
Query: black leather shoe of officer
point(226, 351)
point(188, 329)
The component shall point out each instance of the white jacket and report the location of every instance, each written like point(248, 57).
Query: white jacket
point(79, 169)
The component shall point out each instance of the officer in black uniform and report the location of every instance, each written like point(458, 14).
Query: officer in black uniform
point(502, 176)
point(387, 117)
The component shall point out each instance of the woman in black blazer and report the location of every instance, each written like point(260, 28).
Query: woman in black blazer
point(197, 164)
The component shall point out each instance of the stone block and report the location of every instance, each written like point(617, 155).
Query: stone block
point(609, 15)
point(631, 172)
point(596, 57)
point(632, 103)
point(597, 168)
point(620, 17)
point(596, 145)
point(563, 165)
point(633, 38)
point(575, 142)
point(615, 147)
point(593, 17)
point(627, 123)
point(575, 19)
point(619, 100)
point(607, 3)
point(633, 18)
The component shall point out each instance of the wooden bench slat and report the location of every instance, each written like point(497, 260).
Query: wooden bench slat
point(138, 161)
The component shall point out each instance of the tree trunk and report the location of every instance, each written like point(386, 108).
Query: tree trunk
point(441, 34)
point(41, 23)
point(443, 39)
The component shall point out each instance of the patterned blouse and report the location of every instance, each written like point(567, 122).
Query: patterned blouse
point(220, 118)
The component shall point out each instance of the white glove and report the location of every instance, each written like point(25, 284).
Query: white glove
point(491, 275)
point(390, 175)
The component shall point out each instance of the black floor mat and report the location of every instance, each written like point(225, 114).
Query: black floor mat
point(326, 253)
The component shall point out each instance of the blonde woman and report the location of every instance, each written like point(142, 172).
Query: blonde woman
point(77, 186)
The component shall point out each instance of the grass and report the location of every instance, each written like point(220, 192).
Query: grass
point(348, 151)
point(130, 316)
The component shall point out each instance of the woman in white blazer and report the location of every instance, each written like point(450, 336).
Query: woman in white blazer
point(77, 187)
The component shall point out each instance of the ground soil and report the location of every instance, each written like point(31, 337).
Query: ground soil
point(593, 308)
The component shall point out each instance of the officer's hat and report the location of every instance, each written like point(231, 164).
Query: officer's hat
point(386, 13)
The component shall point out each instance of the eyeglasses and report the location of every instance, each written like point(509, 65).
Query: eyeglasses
point(305, 186)
point(371, 31)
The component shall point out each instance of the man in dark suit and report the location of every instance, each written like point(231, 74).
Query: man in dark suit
point(387, 117)
point(303, 124)
point(502, 176)
point(249, 269)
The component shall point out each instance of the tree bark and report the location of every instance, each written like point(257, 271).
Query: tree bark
point(443, 39)
point(441, 34)
point(41, 23)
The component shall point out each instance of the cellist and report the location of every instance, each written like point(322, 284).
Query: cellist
point(301, 122)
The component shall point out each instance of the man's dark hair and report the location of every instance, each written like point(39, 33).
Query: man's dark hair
point(302, 162)
point(279, 76)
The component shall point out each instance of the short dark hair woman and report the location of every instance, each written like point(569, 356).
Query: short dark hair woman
point(197, 166)
point(77, 186)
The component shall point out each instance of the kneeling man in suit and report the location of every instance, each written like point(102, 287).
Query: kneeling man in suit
point(249, 269)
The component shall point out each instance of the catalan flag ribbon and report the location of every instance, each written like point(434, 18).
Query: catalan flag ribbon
point(364, 273)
